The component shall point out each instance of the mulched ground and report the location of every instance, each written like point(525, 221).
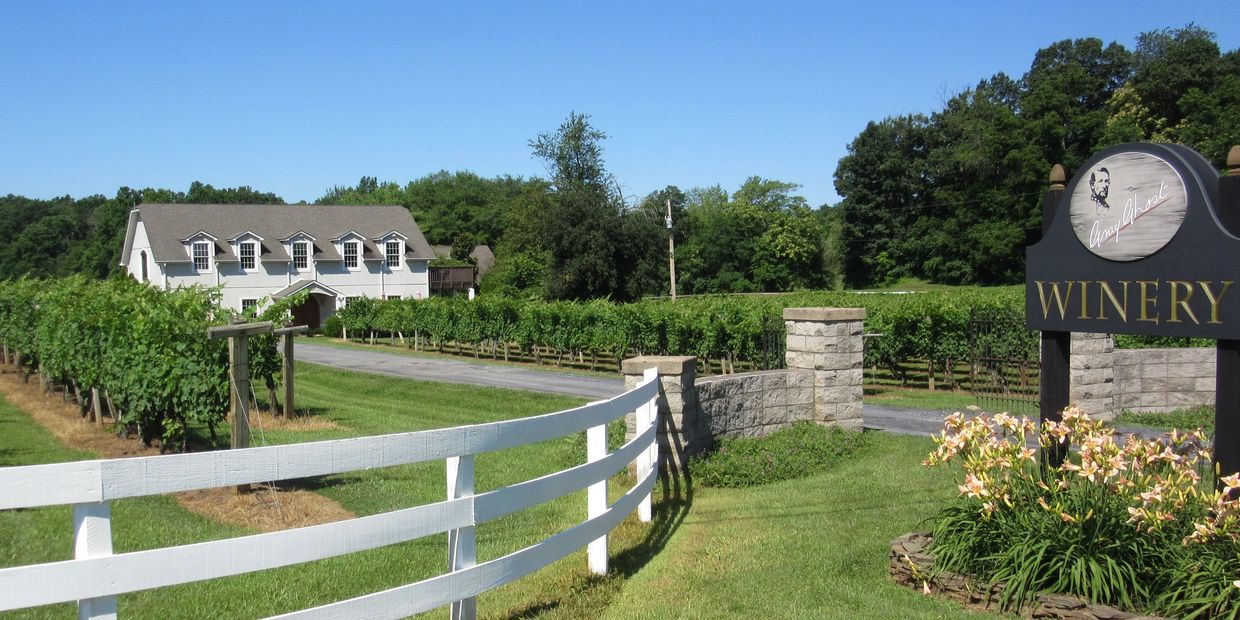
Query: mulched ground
point(267, 508)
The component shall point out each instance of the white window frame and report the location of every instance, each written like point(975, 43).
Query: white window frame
point(253, 302)
point(206, 256)
point(305, 246)
point(253, 247)
point(389, 255)
point(357, 254)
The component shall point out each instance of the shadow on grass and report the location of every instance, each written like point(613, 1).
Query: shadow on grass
point(668, 512)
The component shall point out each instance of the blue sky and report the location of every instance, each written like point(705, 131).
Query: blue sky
point(294, 98)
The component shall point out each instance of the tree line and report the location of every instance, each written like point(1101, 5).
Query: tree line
point(950, 197)
point(954, 197)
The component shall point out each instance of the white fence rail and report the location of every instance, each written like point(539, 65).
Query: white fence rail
point(96, 576)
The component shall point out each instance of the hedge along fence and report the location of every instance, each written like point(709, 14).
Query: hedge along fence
point(146, 348)
point(930, 327)
point(96, 576)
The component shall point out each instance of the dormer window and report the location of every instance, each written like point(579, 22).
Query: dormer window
point(351, 251)
point(248, 252)
point(301, 255)
point(391, 254)
point(202, 256)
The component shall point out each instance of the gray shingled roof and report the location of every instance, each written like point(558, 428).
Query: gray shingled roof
point(168, 224)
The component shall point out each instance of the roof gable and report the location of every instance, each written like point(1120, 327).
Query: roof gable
point(241, 235)
point(199, 234)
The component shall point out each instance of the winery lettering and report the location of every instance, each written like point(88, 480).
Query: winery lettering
point(1152, 301)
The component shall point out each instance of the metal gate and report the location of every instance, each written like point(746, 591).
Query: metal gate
point(1004, 368)
point(774, 342)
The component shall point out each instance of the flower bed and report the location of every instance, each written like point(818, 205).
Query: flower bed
point(1135, 524)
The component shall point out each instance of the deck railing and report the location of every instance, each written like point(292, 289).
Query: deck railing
point(96, 576)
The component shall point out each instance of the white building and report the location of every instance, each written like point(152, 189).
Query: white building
point(271, 251)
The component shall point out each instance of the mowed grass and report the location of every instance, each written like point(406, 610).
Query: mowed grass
point(913, 398)
point(363, 405)
point(809, 548)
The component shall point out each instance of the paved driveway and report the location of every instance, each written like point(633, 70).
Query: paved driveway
point(458, 371)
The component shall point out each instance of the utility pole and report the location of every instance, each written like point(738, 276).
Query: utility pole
point(671, 250)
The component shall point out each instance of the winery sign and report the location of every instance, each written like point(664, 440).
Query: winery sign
point(1136, 247)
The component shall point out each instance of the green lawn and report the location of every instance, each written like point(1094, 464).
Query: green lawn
point(913, 398)
point(809, 548)
point(814, 547)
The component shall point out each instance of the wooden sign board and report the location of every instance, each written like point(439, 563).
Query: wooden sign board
point(1131, 206)
point(1136, 247)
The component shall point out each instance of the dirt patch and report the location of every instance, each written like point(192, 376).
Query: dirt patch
point(267, 508)
point(266, 421)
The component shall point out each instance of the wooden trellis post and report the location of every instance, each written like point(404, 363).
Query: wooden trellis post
point(239, 374)
point(287, 333)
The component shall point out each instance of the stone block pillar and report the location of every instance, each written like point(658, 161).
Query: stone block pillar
point(828, 342)
point(682, 430)
point(1092, 372)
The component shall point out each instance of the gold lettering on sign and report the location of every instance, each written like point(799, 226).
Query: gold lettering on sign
point(1146, 300)
point(1214, 300)
point(1105, 292)
point(1114, 300)
point(1060, 300)
point(1177, 303)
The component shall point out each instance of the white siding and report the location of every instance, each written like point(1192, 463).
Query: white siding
point(372, 280)
point(141, 245)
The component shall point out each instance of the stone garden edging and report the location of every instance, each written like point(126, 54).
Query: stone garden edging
point(911, 566)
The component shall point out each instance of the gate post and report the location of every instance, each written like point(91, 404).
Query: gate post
point(1227, 371)
point(1056, 346)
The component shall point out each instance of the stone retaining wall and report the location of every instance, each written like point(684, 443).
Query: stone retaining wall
point(1164, 379)
point(1107, 381)
point(755, 404)
point(822, 383)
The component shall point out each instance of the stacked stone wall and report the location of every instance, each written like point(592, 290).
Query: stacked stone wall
point(822, 383)
point(1107, 381)
point(1164, 379)
point(755, 404)
point(1093, 374)
point(828, 342)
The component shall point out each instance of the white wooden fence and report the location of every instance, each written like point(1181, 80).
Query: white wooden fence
point(96, 576)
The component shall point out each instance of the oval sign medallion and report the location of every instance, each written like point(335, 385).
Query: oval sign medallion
point(1128, 206)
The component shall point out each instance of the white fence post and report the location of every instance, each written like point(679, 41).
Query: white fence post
point(462, 548)
point(647, 414)
point(596, 497)
point(92, 537)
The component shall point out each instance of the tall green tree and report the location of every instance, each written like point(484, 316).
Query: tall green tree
point(1063, 97)
point(763, 237)
point(584, 230)
point(883, 180)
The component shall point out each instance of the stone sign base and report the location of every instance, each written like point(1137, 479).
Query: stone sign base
point(912, 566)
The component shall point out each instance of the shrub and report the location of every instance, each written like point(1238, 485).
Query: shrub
point(1136, 523)
point(799, 450)
point(332, 327)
